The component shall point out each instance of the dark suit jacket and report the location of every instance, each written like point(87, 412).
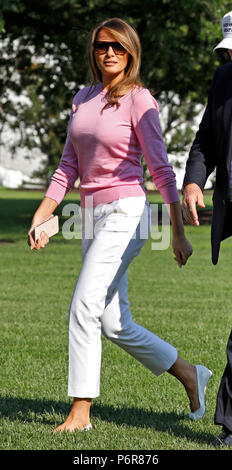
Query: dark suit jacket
point(212, 148)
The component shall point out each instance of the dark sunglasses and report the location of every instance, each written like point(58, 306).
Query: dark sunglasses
point(102, 47)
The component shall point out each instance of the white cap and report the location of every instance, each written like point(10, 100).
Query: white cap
point(226, 43)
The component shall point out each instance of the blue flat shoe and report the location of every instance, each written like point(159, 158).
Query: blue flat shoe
point(203, 376)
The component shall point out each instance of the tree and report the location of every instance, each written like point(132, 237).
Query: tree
point(39, 61)
point(44, 59)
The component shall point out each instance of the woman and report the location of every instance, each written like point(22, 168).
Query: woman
point(112, 123)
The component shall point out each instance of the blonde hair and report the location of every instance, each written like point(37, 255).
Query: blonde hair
point(129, 39)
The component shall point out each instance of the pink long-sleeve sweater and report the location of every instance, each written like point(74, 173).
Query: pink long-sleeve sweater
point(104, 149)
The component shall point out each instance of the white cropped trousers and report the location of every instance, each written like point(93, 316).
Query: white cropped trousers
point(116, 233)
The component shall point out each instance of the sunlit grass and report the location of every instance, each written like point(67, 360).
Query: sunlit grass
point(188, 307)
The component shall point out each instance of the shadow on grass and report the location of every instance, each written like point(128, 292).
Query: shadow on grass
point(41, 411)
point(16, 214)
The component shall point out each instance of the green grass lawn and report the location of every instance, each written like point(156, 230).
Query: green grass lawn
point(189, 307)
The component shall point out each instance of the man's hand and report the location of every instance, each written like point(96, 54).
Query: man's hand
point(192, 196)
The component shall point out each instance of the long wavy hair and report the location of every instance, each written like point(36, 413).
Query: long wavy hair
point(129, 39)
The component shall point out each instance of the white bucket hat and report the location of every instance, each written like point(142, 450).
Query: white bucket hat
point(226, 43)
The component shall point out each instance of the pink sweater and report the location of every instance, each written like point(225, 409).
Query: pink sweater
point(105, 149)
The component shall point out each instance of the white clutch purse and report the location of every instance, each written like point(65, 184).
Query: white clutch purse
point(50, 226)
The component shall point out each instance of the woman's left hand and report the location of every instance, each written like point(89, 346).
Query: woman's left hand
point(182, 249)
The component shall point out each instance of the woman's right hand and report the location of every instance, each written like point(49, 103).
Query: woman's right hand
point(45, 210)
point(42, 241)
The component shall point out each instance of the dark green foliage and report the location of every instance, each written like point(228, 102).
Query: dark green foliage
point(43, 56)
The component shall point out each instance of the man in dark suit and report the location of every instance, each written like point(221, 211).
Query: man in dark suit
point(212, 148)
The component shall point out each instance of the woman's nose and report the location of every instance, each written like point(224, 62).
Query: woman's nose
point(110, 51)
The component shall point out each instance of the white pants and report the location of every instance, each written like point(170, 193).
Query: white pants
point(100, 303)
